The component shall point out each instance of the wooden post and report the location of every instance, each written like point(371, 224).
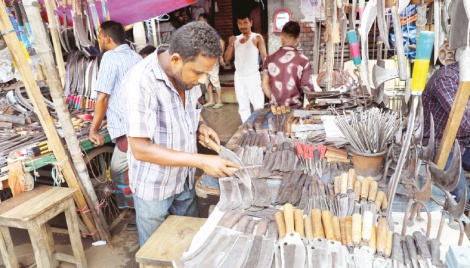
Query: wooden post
point(44, 51)
point(40, 109)
point(50, 7)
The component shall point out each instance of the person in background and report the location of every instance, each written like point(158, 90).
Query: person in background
point(163, 119)
point(246, 48)
point(118, 58)
point(286, 72)
point(144, 52)
point(438, 99)
point(214, 73)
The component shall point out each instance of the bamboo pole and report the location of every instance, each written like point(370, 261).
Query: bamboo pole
point(50, 7)
point(40, 109)
point(44, 51)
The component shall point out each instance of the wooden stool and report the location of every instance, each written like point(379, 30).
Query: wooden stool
point(169, 242)
point(32, 210)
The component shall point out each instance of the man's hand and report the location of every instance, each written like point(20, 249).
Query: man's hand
point(216, 166)
point(96, 138)
point(232, 40)
point(209, 134)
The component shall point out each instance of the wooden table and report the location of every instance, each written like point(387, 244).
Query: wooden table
point(169, 242)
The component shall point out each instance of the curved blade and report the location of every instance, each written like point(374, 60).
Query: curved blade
point(368, 18)
point(448, 179)
point(455, 210)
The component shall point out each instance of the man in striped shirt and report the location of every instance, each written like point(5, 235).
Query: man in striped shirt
point(163, 118)
point(117, 59)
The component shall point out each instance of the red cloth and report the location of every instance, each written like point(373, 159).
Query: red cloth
point(289, 75)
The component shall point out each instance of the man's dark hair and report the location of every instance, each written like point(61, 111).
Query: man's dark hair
point(115, 30)
point(147, 50)
point(243, 15)
point(291, 29)
point(193, 39)
point(206, 17)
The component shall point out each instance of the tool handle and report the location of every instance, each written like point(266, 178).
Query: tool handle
point(281, 224)
point(365, 188)
point(367, 226)
point(299, 222)
point(328, 225)
point(357, 190)
point(351, 179)
point(273, 110)
point(211, 144)
point(397, 251)
point(289, 217)
point(337, 185)
point(373, 238)
point(308, 228)
point(344, 183)
point(379, 199)
point(278, 110)
point(342, 227)
point(388, 245)
point(356, 228)
point(348, 227)
point(411, 246)
point(336, 228)
point(317, 224)
point(384, 203)
point(283, 109)
point(382, 230)
point(373, 187)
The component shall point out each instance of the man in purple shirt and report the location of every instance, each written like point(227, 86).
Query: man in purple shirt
point(286, 72)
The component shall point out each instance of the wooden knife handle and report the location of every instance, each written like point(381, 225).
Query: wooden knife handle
point(348, 227)
point(367, 226)
point(281, 224)
point(388, 245)
point(273, 109)
point(278, 109)
point(283, 109)
point(365, 188)
point(308, 228)
point(351, 178)
point(211, 144)
point(356, 228)
point(289, 218)
point(373, 187)
point(342, 227)
point(373, 238)
point(379, 199)
point(328, 225)
point(382, 230)
point(316, 224)
point(357, 190)
point(336, 228)
point(299, 222)
point(337, 185)
point(344, 183)
point(384, 203)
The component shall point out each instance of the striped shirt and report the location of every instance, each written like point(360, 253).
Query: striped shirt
point(114, 65)
point(153, 109)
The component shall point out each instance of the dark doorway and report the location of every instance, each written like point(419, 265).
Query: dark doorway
point(259, 12)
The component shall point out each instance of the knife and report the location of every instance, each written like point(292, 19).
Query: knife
point(225, 153)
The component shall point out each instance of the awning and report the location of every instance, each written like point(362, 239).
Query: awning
point(129, 12)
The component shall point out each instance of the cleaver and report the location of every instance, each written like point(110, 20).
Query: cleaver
point(225, 153)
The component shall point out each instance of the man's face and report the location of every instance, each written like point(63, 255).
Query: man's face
point(102, 41)
point(193, 73)
point(244, 25)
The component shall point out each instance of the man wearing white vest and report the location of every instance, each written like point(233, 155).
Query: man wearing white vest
point(247, 47)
